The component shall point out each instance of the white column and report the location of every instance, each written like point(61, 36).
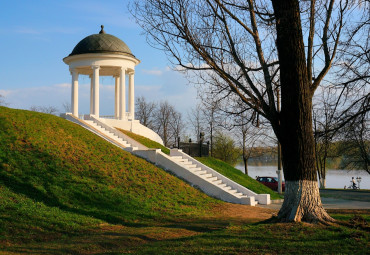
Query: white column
point(96, 89)
point(122, 94)
point(74, 98)
point(91, 96)
point(131, 99)
point(116, 97)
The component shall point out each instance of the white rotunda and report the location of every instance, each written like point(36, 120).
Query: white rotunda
point(103, 55)
point(106, 55)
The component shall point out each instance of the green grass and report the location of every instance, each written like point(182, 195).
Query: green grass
point(239, 177)
point(146, 141)
point(55, 176)
point(64, 190)
point(211, 237)
point(268, 239)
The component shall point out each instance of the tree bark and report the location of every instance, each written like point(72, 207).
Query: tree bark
point(322, 183)
point(302, 198)
point(245, 159)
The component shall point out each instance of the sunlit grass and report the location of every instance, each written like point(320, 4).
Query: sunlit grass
point(48, 164)
point(239, 177)
point(146, 141)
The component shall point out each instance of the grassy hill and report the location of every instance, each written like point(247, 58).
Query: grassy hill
point(64, 190)
point(55, 176)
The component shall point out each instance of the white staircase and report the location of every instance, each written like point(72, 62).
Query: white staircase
point(223, 187)
point(107, 133)
point(179, 163)
point(236, 195)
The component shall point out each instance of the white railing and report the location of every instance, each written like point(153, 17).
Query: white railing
point(127, 115)
point(108, 117)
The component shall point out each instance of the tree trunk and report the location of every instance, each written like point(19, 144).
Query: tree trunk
point(245, 160)
point(302, 200)
point(322, 183)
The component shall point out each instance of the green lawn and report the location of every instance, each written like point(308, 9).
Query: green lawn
point(239, 177)
point(64, 190)
point(57, 177)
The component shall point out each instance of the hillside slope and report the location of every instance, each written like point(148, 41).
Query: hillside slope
point(55, 176)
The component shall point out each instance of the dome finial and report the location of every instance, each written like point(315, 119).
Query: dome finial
point(102, 30)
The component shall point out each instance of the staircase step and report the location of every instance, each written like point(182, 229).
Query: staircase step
point(217, 181)
point(200, 172)
point(212, 179)
point(196, 169)
point(186, 163)
point(206, 175)
point(108, 133)
point(125, 143)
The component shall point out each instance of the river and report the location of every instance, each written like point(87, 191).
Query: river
point(334, 178)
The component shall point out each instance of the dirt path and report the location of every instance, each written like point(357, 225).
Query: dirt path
point(244, 213)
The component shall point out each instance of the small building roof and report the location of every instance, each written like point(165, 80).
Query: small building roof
point(101, 43)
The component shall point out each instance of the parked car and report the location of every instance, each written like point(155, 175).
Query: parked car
point(271, 182)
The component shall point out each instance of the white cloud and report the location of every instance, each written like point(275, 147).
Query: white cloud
point(24, 98)
point(63, 85)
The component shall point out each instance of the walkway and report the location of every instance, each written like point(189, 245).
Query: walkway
point(338, 199)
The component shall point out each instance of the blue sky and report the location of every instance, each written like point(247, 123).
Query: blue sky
point(37, 34)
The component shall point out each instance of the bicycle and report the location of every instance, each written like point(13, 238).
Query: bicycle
point(353, 186)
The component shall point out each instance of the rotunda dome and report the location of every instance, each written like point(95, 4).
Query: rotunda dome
point(101, 43)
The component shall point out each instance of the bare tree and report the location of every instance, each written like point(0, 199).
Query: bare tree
point(177, 126)
point(249, 136)
point(45, 109)
point(212, 115)
point(145, 112)
point(324, 120)
point(253, 47)
point(355, 144)
point(67, 106)
point(195, 119)
point(164, 117)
